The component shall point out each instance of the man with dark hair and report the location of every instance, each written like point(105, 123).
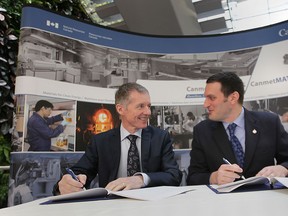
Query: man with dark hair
point(43, 103)
point(251, 141)
point(109, 154)
point(189, 124)
point(39, 132)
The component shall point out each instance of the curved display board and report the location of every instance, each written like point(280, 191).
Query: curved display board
point(77, 66)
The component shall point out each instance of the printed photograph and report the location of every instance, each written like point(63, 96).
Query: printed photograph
point(33, 175)
point(179, 121)
point(44, 124)
point(91, 119)
point(54, 57)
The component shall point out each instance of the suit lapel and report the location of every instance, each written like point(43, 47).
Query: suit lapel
point(251, 137)
point(222, 141)
point(115, 150)
point(252, 132)
point(145, 147)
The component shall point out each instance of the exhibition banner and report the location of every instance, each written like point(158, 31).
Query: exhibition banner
point(259, 56)
point(77, 66)
point(107, 37)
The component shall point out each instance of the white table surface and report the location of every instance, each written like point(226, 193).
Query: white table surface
point(202, 201)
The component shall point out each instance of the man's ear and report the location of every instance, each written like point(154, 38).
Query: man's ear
point(119, 108)
point(234, 97)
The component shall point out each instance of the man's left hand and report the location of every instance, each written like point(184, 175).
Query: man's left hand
point(128, 183)
point(273, 171)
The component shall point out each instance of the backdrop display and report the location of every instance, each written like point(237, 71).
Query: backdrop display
point(33, 175)
point(77, 66)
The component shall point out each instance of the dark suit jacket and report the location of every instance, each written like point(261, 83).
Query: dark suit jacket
point(102, 157)
point(266, 140)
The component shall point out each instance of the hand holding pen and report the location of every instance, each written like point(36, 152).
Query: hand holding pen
point(240, 174)
point(70, 172)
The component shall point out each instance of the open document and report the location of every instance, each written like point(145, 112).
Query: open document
point(151, 193)
point(257, 180)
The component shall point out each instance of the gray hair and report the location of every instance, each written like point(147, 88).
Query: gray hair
point(123, 93)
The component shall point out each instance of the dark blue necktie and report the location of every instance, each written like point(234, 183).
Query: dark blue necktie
point(238, 151)
point(133, 162)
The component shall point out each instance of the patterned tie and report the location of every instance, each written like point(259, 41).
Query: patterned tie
point(238, 151)
point(133, 162)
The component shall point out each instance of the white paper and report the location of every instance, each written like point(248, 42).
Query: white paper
point(151, 193)
point(282, 180)
point(233, 185)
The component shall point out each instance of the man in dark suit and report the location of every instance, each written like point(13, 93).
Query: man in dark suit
point(108, 152)
point(262, 139)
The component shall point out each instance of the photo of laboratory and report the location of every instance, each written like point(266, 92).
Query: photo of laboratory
point(179, 121)
point(44, 124)
point(34, 175)
point(58, 58)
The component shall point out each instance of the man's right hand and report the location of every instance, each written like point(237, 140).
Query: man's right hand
point(69, 185)
point(225, 174)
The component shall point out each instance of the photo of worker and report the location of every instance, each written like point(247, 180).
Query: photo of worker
point(44, 124)
point(188, 123)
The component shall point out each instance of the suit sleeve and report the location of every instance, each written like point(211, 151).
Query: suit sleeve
point(198, 172)
point(88, 163)
point(282, 147)
point(162, 166)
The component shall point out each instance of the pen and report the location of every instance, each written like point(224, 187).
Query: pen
point(227, 162)
point(70, 172)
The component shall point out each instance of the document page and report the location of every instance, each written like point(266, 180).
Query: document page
point(93, 192)
point(282, 180)
point(150, 193)
point(225, 188)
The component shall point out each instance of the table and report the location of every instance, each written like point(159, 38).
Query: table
point(201, 201)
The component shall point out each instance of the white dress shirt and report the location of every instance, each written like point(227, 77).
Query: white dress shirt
point(240, 129)
point(125, 144)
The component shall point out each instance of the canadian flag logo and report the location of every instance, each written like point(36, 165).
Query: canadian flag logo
point(52, 24)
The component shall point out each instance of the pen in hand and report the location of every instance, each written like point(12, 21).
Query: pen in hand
point(227, 162)
point(70, 172)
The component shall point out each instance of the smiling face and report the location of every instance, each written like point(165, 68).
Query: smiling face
point(135, 112)
point(219, 107)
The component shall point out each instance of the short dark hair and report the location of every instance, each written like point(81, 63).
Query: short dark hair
point(191, 115)
point(230, 82)
point(43, 103)
point(123, 93)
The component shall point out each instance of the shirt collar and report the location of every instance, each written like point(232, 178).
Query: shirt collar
point(124, 133)
point(239, 120)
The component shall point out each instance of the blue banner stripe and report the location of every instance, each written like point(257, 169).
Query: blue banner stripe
point(94, 34)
